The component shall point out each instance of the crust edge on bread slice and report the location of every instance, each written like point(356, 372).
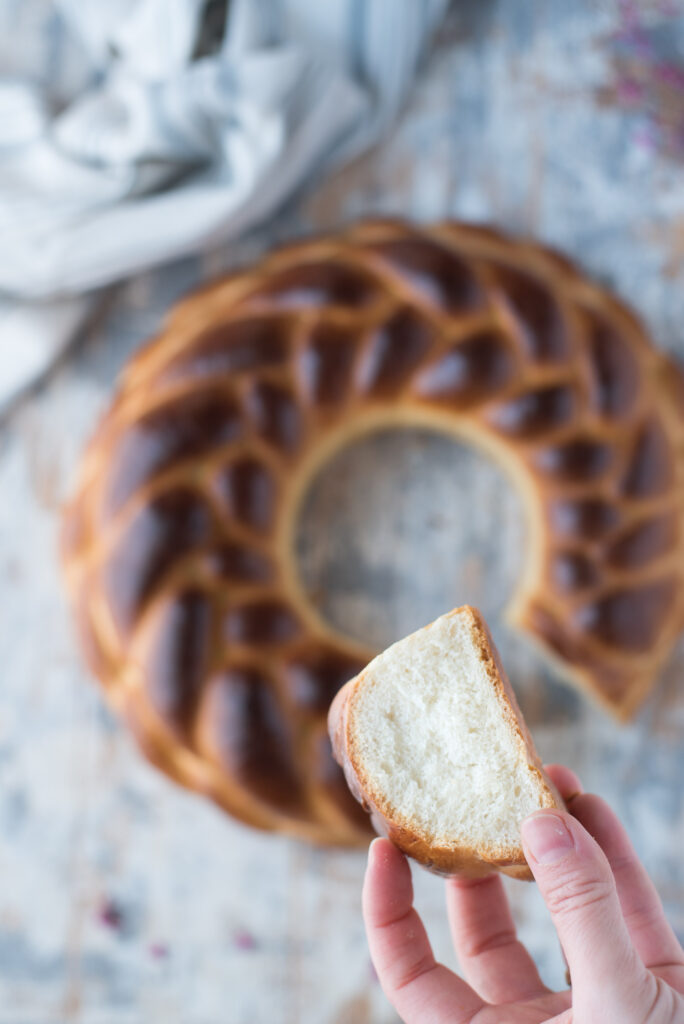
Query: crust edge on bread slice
point(453, 858)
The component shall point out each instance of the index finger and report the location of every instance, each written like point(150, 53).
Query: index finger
point(651, 934)
point(418, 987)
point(565, 780)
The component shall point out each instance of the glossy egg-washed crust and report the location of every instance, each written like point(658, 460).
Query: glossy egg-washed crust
point(458, 857)
point(178, 544)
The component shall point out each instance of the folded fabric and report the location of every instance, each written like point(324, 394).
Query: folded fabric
point(137, 131)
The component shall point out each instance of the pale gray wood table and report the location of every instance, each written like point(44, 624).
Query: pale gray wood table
point(124, 900)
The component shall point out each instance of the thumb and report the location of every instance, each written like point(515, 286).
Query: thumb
point(578, 887)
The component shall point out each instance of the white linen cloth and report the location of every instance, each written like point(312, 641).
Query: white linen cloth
point(136, 131)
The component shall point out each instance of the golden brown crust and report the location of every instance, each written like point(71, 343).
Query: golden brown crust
point(457, 859)
point(177, 546)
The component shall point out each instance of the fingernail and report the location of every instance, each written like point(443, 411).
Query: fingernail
point(547, 838)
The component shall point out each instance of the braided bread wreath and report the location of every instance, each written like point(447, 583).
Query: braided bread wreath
point(178, 544)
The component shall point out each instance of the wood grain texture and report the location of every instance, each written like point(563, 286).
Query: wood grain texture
point(215, 924)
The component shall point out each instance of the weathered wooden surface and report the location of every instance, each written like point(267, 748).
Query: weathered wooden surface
point(124, 900)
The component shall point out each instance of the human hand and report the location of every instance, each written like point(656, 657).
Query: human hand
point(626, 964)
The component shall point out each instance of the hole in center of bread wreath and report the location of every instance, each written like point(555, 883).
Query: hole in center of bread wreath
point(395, 526)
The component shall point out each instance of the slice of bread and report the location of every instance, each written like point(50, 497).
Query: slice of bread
point(433, 744)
